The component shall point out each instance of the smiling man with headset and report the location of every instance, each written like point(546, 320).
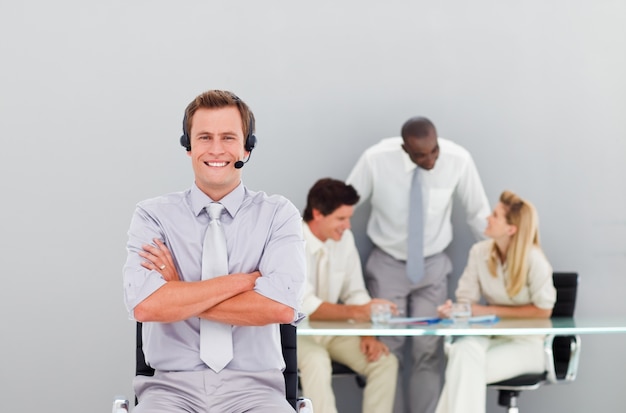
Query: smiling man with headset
point(211, 272)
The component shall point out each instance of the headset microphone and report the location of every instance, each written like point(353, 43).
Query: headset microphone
point(239, 164)
point(251, 141)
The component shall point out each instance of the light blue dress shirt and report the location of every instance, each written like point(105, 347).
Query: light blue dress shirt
point(262, 233)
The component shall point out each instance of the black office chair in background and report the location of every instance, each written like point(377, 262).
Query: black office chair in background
point(341, 370)
point(289, 348)
point(562, 352)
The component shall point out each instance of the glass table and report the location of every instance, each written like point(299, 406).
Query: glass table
point(557, 326)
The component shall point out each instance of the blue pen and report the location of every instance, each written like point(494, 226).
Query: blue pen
point(427, 321)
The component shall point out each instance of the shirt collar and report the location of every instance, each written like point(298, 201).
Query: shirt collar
point(409, 165)
point(231, 202)
point(314, 244)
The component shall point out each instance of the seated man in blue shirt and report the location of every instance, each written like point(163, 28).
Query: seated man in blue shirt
point(335, 291)
point(260, 286)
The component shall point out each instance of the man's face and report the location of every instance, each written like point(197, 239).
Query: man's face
point(216, 137)
point(423, 151)
point(334, 224)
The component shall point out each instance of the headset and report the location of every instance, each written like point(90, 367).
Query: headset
point(251, 139)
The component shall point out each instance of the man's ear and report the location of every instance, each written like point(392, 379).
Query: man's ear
point(317, 214)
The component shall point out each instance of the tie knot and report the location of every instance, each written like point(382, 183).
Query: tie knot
point(215, 211)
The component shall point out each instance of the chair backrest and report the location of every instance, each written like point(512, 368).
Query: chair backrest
point(290, 354)
point(141, 368)
point(288, 340)
point(566, 284)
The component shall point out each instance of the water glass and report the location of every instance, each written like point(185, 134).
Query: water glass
point(380, 313)
point(460, 313)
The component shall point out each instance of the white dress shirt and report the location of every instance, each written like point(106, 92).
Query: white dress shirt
point(343, 279)
point(383, 175)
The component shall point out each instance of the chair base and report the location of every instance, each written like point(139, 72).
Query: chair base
point(510, 389)
point(508, 399)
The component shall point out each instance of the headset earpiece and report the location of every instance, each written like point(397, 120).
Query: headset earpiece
point(251, 138)
point(184, 138)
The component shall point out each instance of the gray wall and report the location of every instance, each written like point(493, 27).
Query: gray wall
point(91, 100)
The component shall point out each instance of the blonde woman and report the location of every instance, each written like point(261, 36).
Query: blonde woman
point(512, 274)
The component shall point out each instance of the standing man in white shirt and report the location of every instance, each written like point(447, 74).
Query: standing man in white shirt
point(335, 291)
point(389, 174)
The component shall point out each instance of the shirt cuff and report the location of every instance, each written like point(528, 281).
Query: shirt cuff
point(297, 317)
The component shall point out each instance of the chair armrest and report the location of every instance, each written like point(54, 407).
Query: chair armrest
point(304, 405)
point(560, 352)
point(120, 405)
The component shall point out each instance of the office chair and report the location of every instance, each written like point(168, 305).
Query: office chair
point(341, 370)
point(289, 348)
point(562, 352)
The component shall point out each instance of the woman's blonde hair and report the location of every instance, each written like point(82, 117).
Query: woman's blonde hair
point(523, 215)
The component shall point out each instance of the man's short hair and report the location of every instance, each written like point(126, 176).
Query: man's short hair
point(328, 194)
point(417, 127)
point(214, 99)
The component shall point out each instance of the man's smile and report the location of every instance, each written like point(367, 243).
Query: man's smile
point(216, 164)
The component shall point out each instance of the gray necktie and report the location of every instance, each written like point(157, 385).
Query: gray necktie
point(415, 242)
point(216, 341)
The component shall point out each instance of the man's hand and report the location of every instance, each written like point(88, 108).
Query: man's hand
point(362, 313)
point(373, 348)
point(394, 307)
point(159, 259)
point(445, 309)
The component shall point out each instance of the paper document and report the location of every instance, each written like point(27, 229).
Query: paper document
point(484, 319)
point(479, 319)
point(489, 318)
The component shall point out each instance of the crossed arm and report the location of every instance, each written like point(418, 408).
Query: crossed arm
point(229, 299)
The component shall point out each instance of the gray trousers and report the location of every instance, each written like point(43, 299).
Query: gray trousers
point(386, 278)
point(229, 391)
